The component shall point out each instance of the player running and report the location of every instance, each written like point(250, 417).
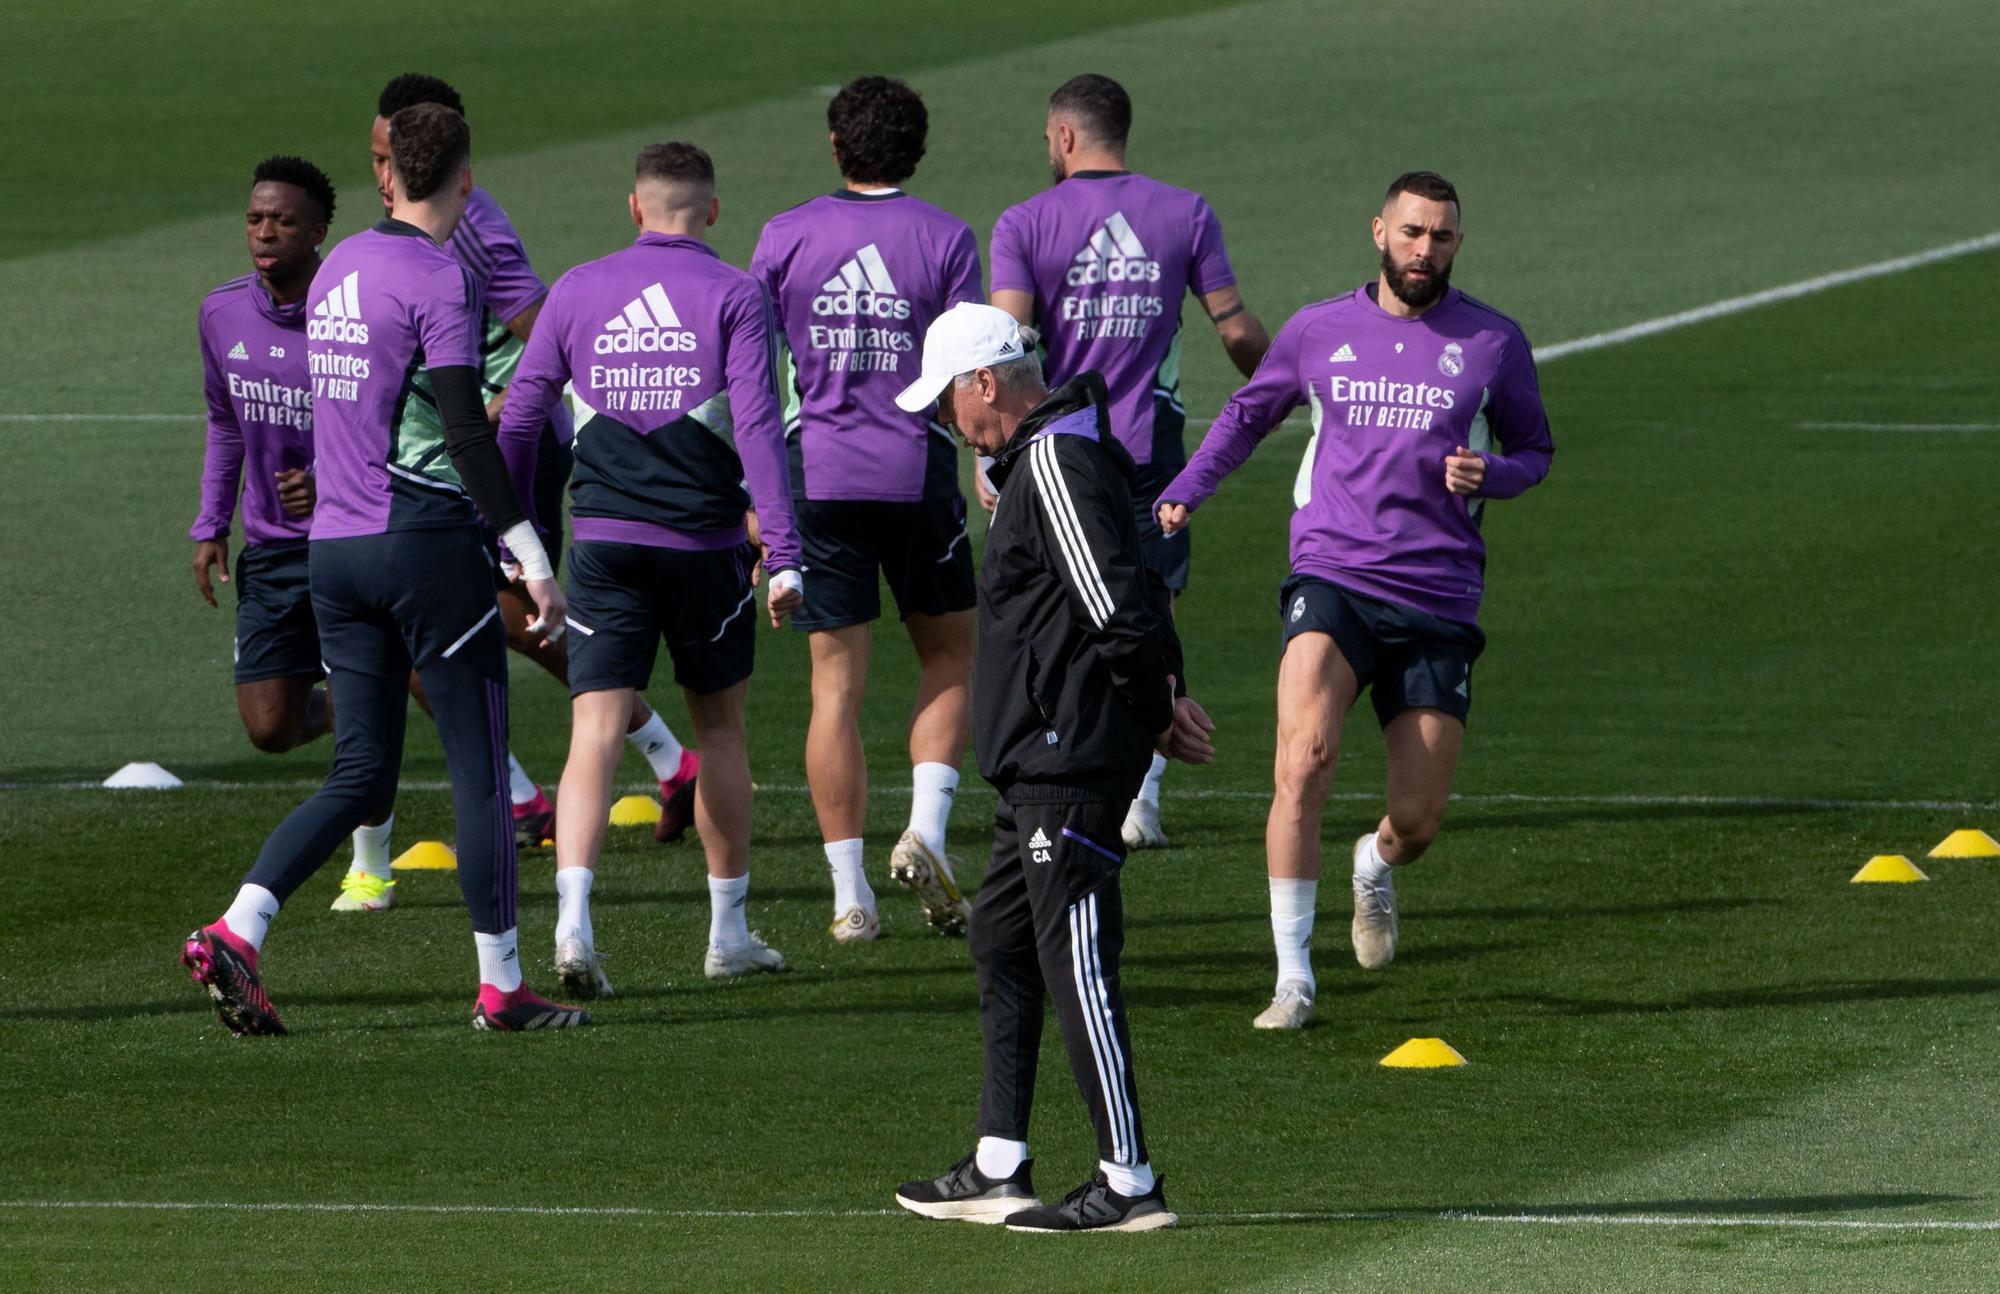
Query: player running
point(856, 277)
point(487, 244)
point(253, 358)
point(671, 354)
point(400, 575)
point(1100, 262)
point(1425, 405)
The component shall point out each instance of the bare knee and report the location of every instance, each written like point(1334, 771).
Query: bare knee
point(1411, 829)
point(1305, 768)
point(274, 734)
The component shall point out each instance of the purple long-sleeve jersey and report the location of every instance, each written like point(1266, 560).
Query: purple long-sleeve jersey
point(1391, 398)
point(856, 279)
point(672, 356)
point(387, 304)
point(253, 362)
point(1108, 257)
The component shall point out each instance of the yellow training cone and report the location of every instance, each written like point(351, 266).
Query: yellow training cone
point(1968, 843)
point(1888, 869)
point(635, 811)
point(1423, 1053)
point(426, 856)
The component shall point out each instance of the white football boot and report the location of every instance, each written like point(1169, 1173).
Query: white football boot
point(730, 963)
point(857, 925)
point(580, 969)
point(1291, 1008)
point(1375, 926)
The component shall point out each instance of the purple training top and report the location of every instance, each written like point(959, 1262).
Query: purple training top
point(1391, 398)
point(671, 353)
point(1108, 255)
point(856, 280)
point(387, 304)
point(253, 362)
point(487, 243)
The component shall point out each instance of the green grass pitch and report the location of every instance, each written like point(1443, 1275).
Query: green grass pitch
point(1734, 652)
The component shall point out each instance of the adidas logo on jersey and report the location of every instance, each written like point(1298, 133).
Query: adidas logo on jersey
point(338, 317)
point(1114, 254)
point(647, 326)
point(1345, 355)
point(238, 351)
point(863, 287)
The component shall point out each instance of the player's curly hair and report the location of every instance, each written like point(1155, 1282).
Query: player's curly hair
point(283, 168)
point(879, 125)
point(428, 144)
point(1098, 103)
point(413, 88)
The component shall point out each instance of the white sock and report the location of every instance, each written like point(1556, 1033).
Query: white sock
point(371, 849)
point(726, 926)
point(1149, 790)
point(657, 743)
point(850, 878)
point(1369, 864)
point(573, 904)
point(1126, 1179)
point(934, 787)
point(520, 787)
point(1292, 929)
point(1000, 1158)
point(249, 917)
point(500, 959)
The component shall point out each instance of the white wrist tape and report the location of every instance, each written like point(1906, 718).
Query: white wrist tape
point(526, 545)
point(787, 581)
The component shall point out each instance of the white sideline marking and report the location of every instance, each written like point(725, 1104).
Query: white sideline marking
point(1896, 426)
point(1775, 802)
point(1384, 1215)
point(1543, 354)
point(1770, 296)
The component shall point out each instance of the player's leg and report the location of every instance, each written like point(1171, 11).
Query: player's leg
point(708, 604)
point(927, 558)
point(369, 664)
point(1317, 684)
point(1074, 858)
point(614, 641)
point(450, 622)
point(281, 714)
point(1171, 557)
point(994, 1180)
point(1423, 693)
point(837, 772)
point(277, 658)
point(675, 766)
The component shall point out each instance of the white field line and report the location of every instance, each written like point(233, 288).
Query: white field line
point(1384, 1215)
point(1770, 296)
point(1897, 426)
point(1793, 803)
point(1543, 354)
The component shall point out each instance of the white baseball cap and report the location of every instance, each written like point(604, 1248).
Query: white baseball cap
point(963, 338)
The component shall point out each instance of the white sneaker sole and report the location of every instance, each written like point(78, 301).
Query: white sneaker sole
point(1144, 1222)
point(990, 1213)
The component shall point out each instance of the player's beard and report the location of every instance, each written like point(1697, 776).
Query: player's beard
point(1418, 293)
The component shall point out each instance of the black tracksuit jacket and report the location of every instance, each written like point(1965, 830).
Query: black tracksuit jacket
point(1076, 636)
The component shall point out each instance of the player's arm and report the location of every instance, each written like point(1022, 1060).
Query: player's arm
point(221, 477)
point(1012, 249)
point(1522, 447)
point(531, 398)
point(1242, 332)
point(1015, 302)
point(750, 367)
point(1251, 414)
point(511, 287)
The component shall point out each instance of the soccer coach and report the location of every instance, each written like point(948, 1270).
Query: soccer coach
point(1075, 686)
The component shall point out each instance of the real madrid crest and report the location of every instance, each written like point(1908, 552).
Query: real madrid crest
point(1452, 362)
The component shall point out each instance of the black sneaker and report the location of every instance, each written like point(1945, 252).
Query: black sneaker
point(1094, 1206)
point(968, 1195)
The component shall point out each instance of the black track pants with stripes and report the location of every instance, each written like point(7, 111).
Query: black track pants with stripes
point(1049, 921)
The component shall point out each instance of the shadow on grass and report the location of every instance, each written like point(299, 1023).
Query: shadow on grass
point(1553, 912)
point(1742, 1206)
point(1842, 992)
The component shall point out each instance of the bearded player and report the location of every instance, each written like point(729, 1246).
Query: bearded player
point(1101, 262)
point(1425, 406)
point(490, 248)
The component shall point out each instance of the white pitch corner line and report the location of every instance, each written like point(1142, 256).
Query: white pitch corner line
point(1770, 296)
point(1580, 1219)
point(1941, 427)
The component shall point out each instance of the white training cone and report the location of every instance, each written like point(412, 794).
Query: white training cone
point(143, 777)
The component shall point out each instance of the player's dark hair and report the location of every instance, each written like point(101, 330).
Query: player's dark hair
point(429, 144)
point(1425, 184)
point(413, 88)
point(675, 162)
point(283, 168)
point(878, 126)
point(1099, 104)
